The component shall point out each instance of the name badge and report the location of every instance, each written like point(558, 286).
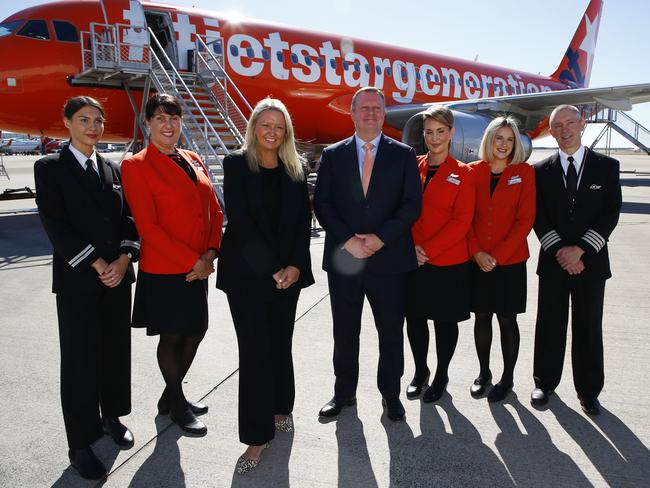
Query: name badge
point(514, 180)
point(453, 178)
point(595, 187)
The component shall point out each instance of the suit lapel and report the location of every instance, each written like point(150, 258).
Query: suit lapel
point(352, 168)
point(587, 174)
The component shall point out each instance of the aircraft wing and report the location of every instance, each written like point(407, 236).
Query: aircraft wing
point(531, 108)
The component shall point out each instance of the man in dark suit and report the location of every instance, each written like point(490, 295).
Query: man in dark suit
point(578, 205)
point(85, 215)
point(367, 196)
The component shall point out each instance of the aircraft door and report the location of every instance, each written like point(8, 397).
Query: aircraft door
point(162, 27)
point(129, 19)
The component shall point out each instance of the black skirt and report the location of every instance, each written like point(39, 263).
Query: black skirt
point(502, 290)
point(167, 304)
point(439, 293)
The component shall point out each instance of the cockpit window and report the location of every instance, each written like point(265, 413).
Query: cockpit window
point(65, 31)
point(6, 28)
point(36, 29)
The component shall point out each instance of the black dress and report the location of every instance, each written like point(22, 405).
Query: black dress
point(167, 303)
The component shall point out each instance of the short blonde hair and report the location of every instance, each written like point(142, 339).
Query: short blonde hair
point(486, 150)
point(287, 153)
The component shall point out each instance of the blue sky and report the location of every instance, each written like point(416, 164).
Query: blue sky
point(524, 35)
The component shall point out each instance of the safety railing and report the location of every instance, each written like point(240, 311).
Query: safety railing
point(117, 46)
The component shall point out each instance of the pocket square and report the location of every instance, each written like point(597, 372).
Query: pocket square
point(595, 187)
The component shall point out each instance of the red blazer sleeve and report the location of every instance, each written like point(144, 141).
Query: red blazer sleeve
point(524, 219)
point(461, 219)
point(143, 210)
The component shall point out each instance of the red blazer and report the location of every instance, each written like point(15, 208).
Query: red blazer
point(177, 220)
point(447, 211)
point(502, 222)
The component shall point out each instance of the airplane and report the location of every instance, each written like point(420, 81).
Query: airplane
point(21, 146)
point(312, 72)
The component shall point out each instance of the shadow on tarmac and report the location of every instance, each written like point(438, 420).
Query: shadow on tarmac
point(22, 238)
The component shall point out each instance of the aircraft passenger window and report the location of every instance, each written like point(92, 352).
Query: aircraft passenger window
point(36, 29)
point(436, 78)
point(321, 62)
point(333, 63)
point(294, 58)
point(280, 56)
point(345, 65)
point(265, 54)
point(65, 31)
point(234, 50)
point(444, 79)
point(307, 60)
point(357, 68)
point(367, 66)
point(250, 52)
point(389, 72)
point(378, 69)
point(6, 28)
point(417, 75)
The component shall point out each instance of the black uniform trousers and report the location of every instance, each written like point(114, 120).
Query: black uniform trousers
point(386, 295)
point(587, 296)
point(264, 322)
point(95, 341)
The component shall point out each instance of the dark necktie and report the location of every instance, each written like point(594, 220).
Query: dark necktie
point(571, 180)
point(92, 174)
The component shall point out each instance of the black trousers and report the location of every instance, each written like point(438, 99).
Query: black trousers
point(263, 322)
point(95, 341)
point(386, 295)
point(586, 331)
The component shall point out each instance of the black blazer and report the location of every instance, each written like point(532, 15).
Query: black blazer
point(250, 252)
point(595, 214)
point(390, 208)
point(83, 222)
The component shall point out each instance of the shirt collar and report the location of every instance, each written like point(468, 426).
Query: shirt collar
point(578, 157)
point(360, 142)
point(82, 158)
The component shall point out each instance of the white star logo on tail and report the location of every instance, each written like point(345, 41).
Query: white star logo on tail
point(589, 42)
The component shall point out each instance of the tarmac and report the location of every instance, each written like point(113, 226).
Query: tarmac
point(456, 442)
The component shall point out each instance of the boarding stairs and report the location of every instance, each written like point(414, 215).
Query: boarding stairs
point(3, 170)
point(621, 123)
point(213, 122)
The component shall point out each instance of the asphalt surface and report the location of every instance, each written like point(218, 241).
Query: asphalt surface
point(458, 441)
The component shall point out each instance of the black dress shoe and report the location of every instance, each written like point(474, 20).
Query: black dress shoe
point(196, 408)
point(435, 391)
point(477, 390)
point(414, 389)
point(499, 392)
point(189, 423)
point(394, 409)
point(590, 405)
point(334, 407)
point(122, 436)
point(539, 397)
point(86, 463)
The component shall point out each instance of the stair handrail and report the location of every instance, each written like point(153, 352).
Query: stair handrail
point(200, 42)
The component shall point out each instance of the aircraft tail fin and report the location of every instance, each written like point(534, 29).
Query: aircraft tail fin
point(575, 67)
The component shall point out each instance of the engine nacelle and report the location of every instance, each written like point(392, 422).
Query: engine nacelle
point(467, 138)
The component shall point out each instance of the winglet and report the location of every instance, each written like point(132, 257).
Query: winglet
point(575, 67)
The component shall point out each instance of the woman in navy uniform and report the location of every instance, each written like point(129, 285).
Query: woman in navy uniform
point(503, 218)
point(439, 288)
point(83, 210)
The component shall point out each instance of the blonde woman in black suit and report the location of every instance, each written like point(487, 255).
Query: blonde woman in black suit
point(263, 265)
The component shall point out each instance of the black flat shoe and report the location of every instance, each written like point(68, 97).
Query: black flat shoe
point(197, 408)
point(477, 390)
point(189, 423)
point(416, 386)
point(119, 432)
point(499, 392)
point(590, 405)
point(435, 391)
point(334, 407)
point(86, 463)
point(394, 409)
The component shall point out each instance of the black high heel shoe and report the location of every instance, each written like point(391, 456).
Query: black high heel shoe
point(477, 390)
